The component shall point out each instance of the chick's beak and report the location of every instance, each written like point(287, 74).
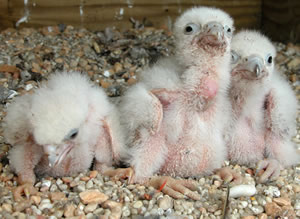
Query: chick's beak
point(213, 34)
point(253, 67)
point(57, 153)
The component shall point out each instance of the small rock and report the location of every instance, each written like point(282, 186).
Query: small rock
point(293, 78)
point(69, 210)
point(7, 207)
point(138, 204)
point(165, 203)
point(272, 191)
point(282, 201)
point(89, 184)
point(35, 199)
point(249, 217)
point(46, 183)
point(263, 216)
point(93, 174)
point(45, 203)
point(131, 81)
point(294, 63)
point(272, 209)
point(91, 196)
point(96, 47)
point(105, 84)
point(9, 68)
point(80, 188)
point(257, 209)
point(90, 207)
point(57, 196)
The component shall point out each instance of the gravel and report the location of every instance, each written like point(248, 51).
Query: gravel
point(113, 60)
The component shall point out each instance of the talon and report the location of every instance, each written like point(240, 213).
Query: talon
point(268, 169)
point(179, 189)
point(27, 189)
point(229, 175)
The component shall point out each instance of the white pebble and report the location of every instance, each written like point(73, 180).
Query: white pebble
point(272, 191)
point(28, 87)
point(81, 188)
point(257, 210)
point(63, 187)
point(138, 204)
point(89, 184)
point(59, 181)
point(45, 203)
point(242, 190)
point(106, 73)
point(36, 210)
point(46, 183)
point(242, 204)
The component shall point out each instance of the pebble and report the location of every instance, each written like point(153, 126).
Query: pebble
point(90, 207)
point(165, 203)
point(282, 201)
point(57, 196)
point(272, 209)
point(69, 210)
point(45, 203)
point(272, 191)
point(138, 204)
point(242, 190)
point(257, 209)
point(91, 196)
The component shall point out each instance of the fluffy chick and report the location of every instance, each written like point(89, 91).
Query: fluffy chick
point(264, 107)
point(60, 128)
point(177, 130)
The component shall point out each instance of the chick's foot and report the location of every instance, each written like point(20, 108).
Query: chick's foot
point(175, 188)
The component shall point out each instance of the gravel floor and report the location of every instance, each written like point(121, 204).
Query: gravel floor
point(113, 60)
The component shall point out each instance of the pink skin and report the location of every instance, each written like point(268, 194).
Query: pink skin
point(177, 159)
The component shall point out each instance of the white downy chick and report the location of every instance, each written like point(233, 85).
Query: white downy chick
point(177, 130)
point(60, 128)
point(263, 107)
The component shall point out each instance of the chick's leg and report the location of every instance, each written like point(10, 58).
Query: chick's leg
point(175, 188)
point(23, 159)
point(268, 169)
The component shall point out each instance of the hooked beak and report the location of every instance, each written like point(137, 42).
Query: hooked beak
point(252, 68)
point(56, 153)
point(212, 35)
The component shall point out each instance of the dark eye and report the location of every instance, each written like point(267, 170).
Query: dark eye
point(188, 29)
point(72, 134)
point(229, 30)
point(191, 28)
point(270, 59)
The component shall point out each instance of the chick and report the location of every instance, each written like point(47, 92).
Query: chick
point(60, 128)
point(264, 107)
point(175, 125)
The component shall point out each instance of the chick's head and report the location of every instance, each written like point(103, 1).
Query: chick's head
point(203, 31)
point(57, 117)
point(252, 56)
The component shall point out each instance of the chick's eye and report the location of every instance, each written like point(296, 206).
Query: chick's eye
point(191, 28)
point(72, 134)
point(269, 59)
point(234, 57)
point(228, 29)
